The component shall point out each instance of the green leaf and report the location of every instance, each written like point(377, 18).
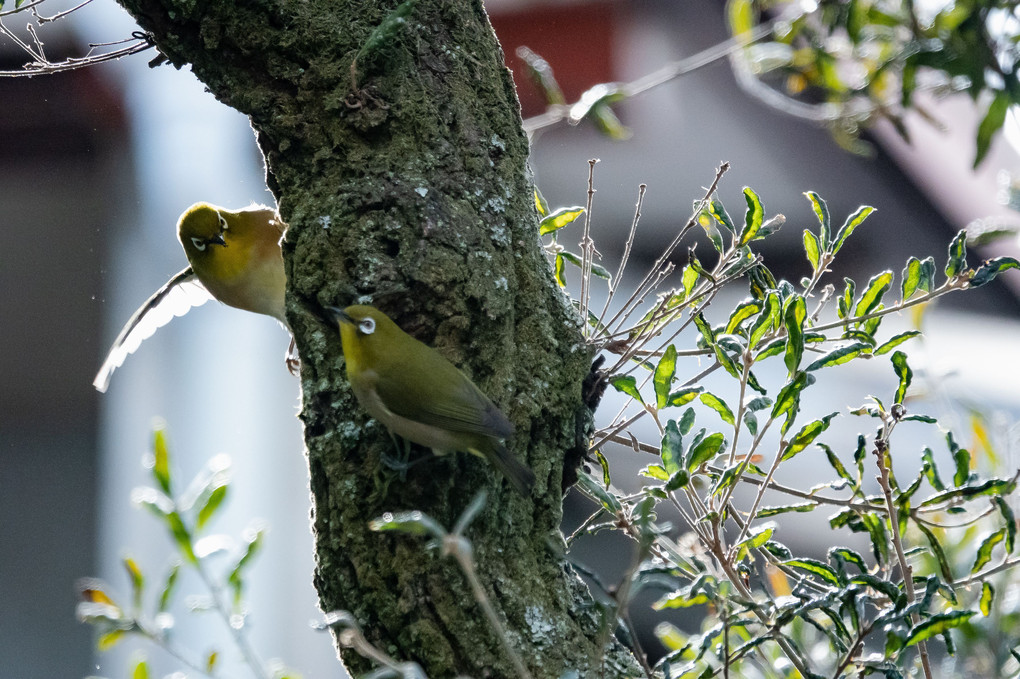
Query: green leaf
point(961, 458)
point(680, 599)
point(161, 461)
point(911, 278)
point(903, 371)
point(937, 624)
point(872, 295)
point(839, 356)
point(775, 510)
point(895, 341)
point(756, 539)
point(752, 218)
point(989, 487)
point(850, 225)
point(212, 502)
point(719, 406)
point(767, 319)
point(687, 420)
point(808, 433)
point(141, 670)
point(814, 567)
point(987, 597)
point(672, 449)
point(560, 270)
point(590, 486)
point(811, 249)
point(793, 319)
point(716, 209)
point(927, 283)
point(957, 263)
point(741, 313)
point(931, 471)
point(987, 272)
point(1010, 522)
point(627, 384)
point(940, 554)
point(236, 579)
point(541, 206)
point(596, 269)
point(688, 280)
point(604, 463)
point(705, 450)
point(789, 395)
point(846, 300)
point(137, 580)
point(875, 526)
point(992, 122)
point(683, 396)
point(837, 464)
point(663, 376)
point(181, 536)
point(984, 553)
point(558, 219)
point(847, 555)
point(822, 212)
point(169, 587)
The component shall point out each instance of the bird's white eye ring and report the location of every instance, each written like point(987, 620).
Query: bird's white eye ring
point(367, 326)
point(223, 222)
point(198, 243)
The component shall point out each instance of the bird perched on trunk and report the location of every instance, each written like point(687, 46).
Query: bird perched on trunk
point(420, 396)
point(234, 257)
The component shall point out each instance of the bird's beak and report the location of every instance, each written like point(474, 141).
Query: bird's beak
point(336, 315)
point(217, 240)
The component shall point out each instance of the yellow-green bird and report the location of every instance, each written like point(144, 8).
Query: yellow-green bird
point(234, 257)
point(420, 396)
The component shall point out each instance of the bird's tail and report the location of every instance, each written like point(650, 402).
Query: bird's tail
point(519, 475)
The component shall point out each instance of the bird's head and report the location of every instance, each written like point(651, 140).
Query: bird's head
point(367, 333)
point(201, 230)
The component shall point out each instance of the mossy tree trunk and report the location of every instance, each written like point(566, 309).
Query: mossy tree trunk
point(393, 144)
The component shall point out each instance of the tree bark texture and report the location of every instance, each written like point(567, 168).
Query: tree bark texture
point(393, 144)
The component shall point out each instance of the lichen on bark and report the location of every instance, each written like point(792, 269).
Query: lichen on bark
point(393, 144)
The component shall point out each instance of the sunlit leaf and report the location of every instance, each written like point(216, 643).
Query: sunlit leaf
point(872, 295)
point(811, 249)
point(753, 217)
point(895, 341)
point(839, 356)
point(663, 376)
point(627, 384)
point(903, 371)
point(719, 406)
point(937, 624)
point(814, 567)
point(808, 433)
point(850, 225)
point(793, 319)
point(957, 262)
point(705, 450)
point(822, 212)
point(991, 268)
point(671, 450)
point(984, 552)
point(558, 219)
point(987, 597)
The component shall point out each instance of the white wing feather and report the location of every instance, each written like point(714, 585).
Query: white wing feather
point(176, 298)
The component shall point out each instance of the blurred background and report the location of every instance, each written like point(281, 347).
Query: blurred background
point(97, 165)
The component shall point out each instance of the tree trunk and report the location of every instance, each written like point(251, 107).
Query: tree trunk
point(393, 144)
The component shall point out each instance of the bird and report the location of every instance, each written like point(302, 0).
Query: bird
point(421, 396)
point(234, 256)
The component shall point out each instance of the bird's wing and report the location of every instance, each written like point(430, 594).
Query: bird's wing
point(463, 409)
point(180, 293)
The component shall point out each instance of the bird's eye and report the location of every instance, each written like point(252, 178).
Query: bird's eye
point(223, 222)
point(198, 243)
point(367, 326)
